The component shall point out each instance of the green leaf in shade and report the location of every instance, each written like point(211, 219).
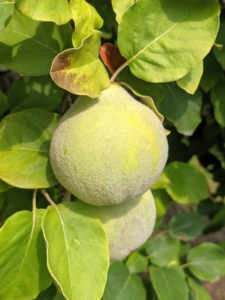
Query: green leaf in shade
point(207, 262)
point(47, 294)
point(211, 74)
point(190, 81)
point(58, 296)
point(4, 103)
point(80, 71)
point(198, 288)
point(219, 217)
point(86, 19)
point(218, 101)
point(123, 285)
point(23, 267)
point(4, 186)
point(136, 262)
point(169, 283)
point(120, 7)
point(153, 55)
point(77, 250)
point(184, 249)
point(16, 200)
point(220, 52)
point(181, 108)
point(188, 184)
point(45, 10)
point(2, 200)
point(162, 250)
point(35, 92)
point(162, 201)
point(162, 182)
point(28, 46)
point(148, 92)
point(186, 226)
point(6, 11)
point(24, 149)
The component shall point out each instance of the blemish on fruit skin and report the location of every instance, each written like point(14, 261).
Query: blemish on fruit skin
point(65, 151)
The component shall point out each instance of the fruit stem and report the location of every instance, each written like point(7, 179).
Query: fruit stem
point(34, 200)
point(119, 70)
point(47, 197)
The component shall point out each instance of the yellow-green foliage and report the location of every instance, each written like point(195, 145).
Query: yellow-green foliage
point(109, 149)
point(127, 225)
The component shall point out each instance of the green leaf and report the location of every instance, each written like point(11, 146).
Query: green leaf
point(4, 186)
point(6, 11)
point(162, 201)
point(120, 7)
point(168, 40)
point(35, 92)
point(219, 217)
point(122, 285)
point(162, 182)
point(162, 250)
point(186, 226)
point(217, 98)
point(207, 262)
point(181, 108)
point(24, 149)
point(188, 184)
point(198, 289)
point(149, 92)
point(169, 283)
point(86, 19)
point(47, 294)
point(23, 268)
point(4, 103)
point(212, 73)
point(28, 46)
point(80, 71)
point(2, 200)
point(77, 250)
point(136, 262)
point(45, 10)
point(220, 53)
point(191, 80)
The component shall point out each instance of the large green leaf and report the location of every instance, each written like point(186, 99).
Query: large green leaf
point(38, 92)
point(122, 285)
point(23, 267)
point(86, 19)
point(136, 262)
point(45, 10)
point(28, 46)
point(186, 226)
point(162, 250)
point(190, 82)
point(207, 262)
point(6, 11)
point(188, 184)
point(4, 103)
point(167, 40)
point(169, 283)
point(77, 250)
point(24, 149)
point(220, 52)
point(80, 71)
point(198, 288)
point(181, 108)
point(120, 7)
point(218, 101)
